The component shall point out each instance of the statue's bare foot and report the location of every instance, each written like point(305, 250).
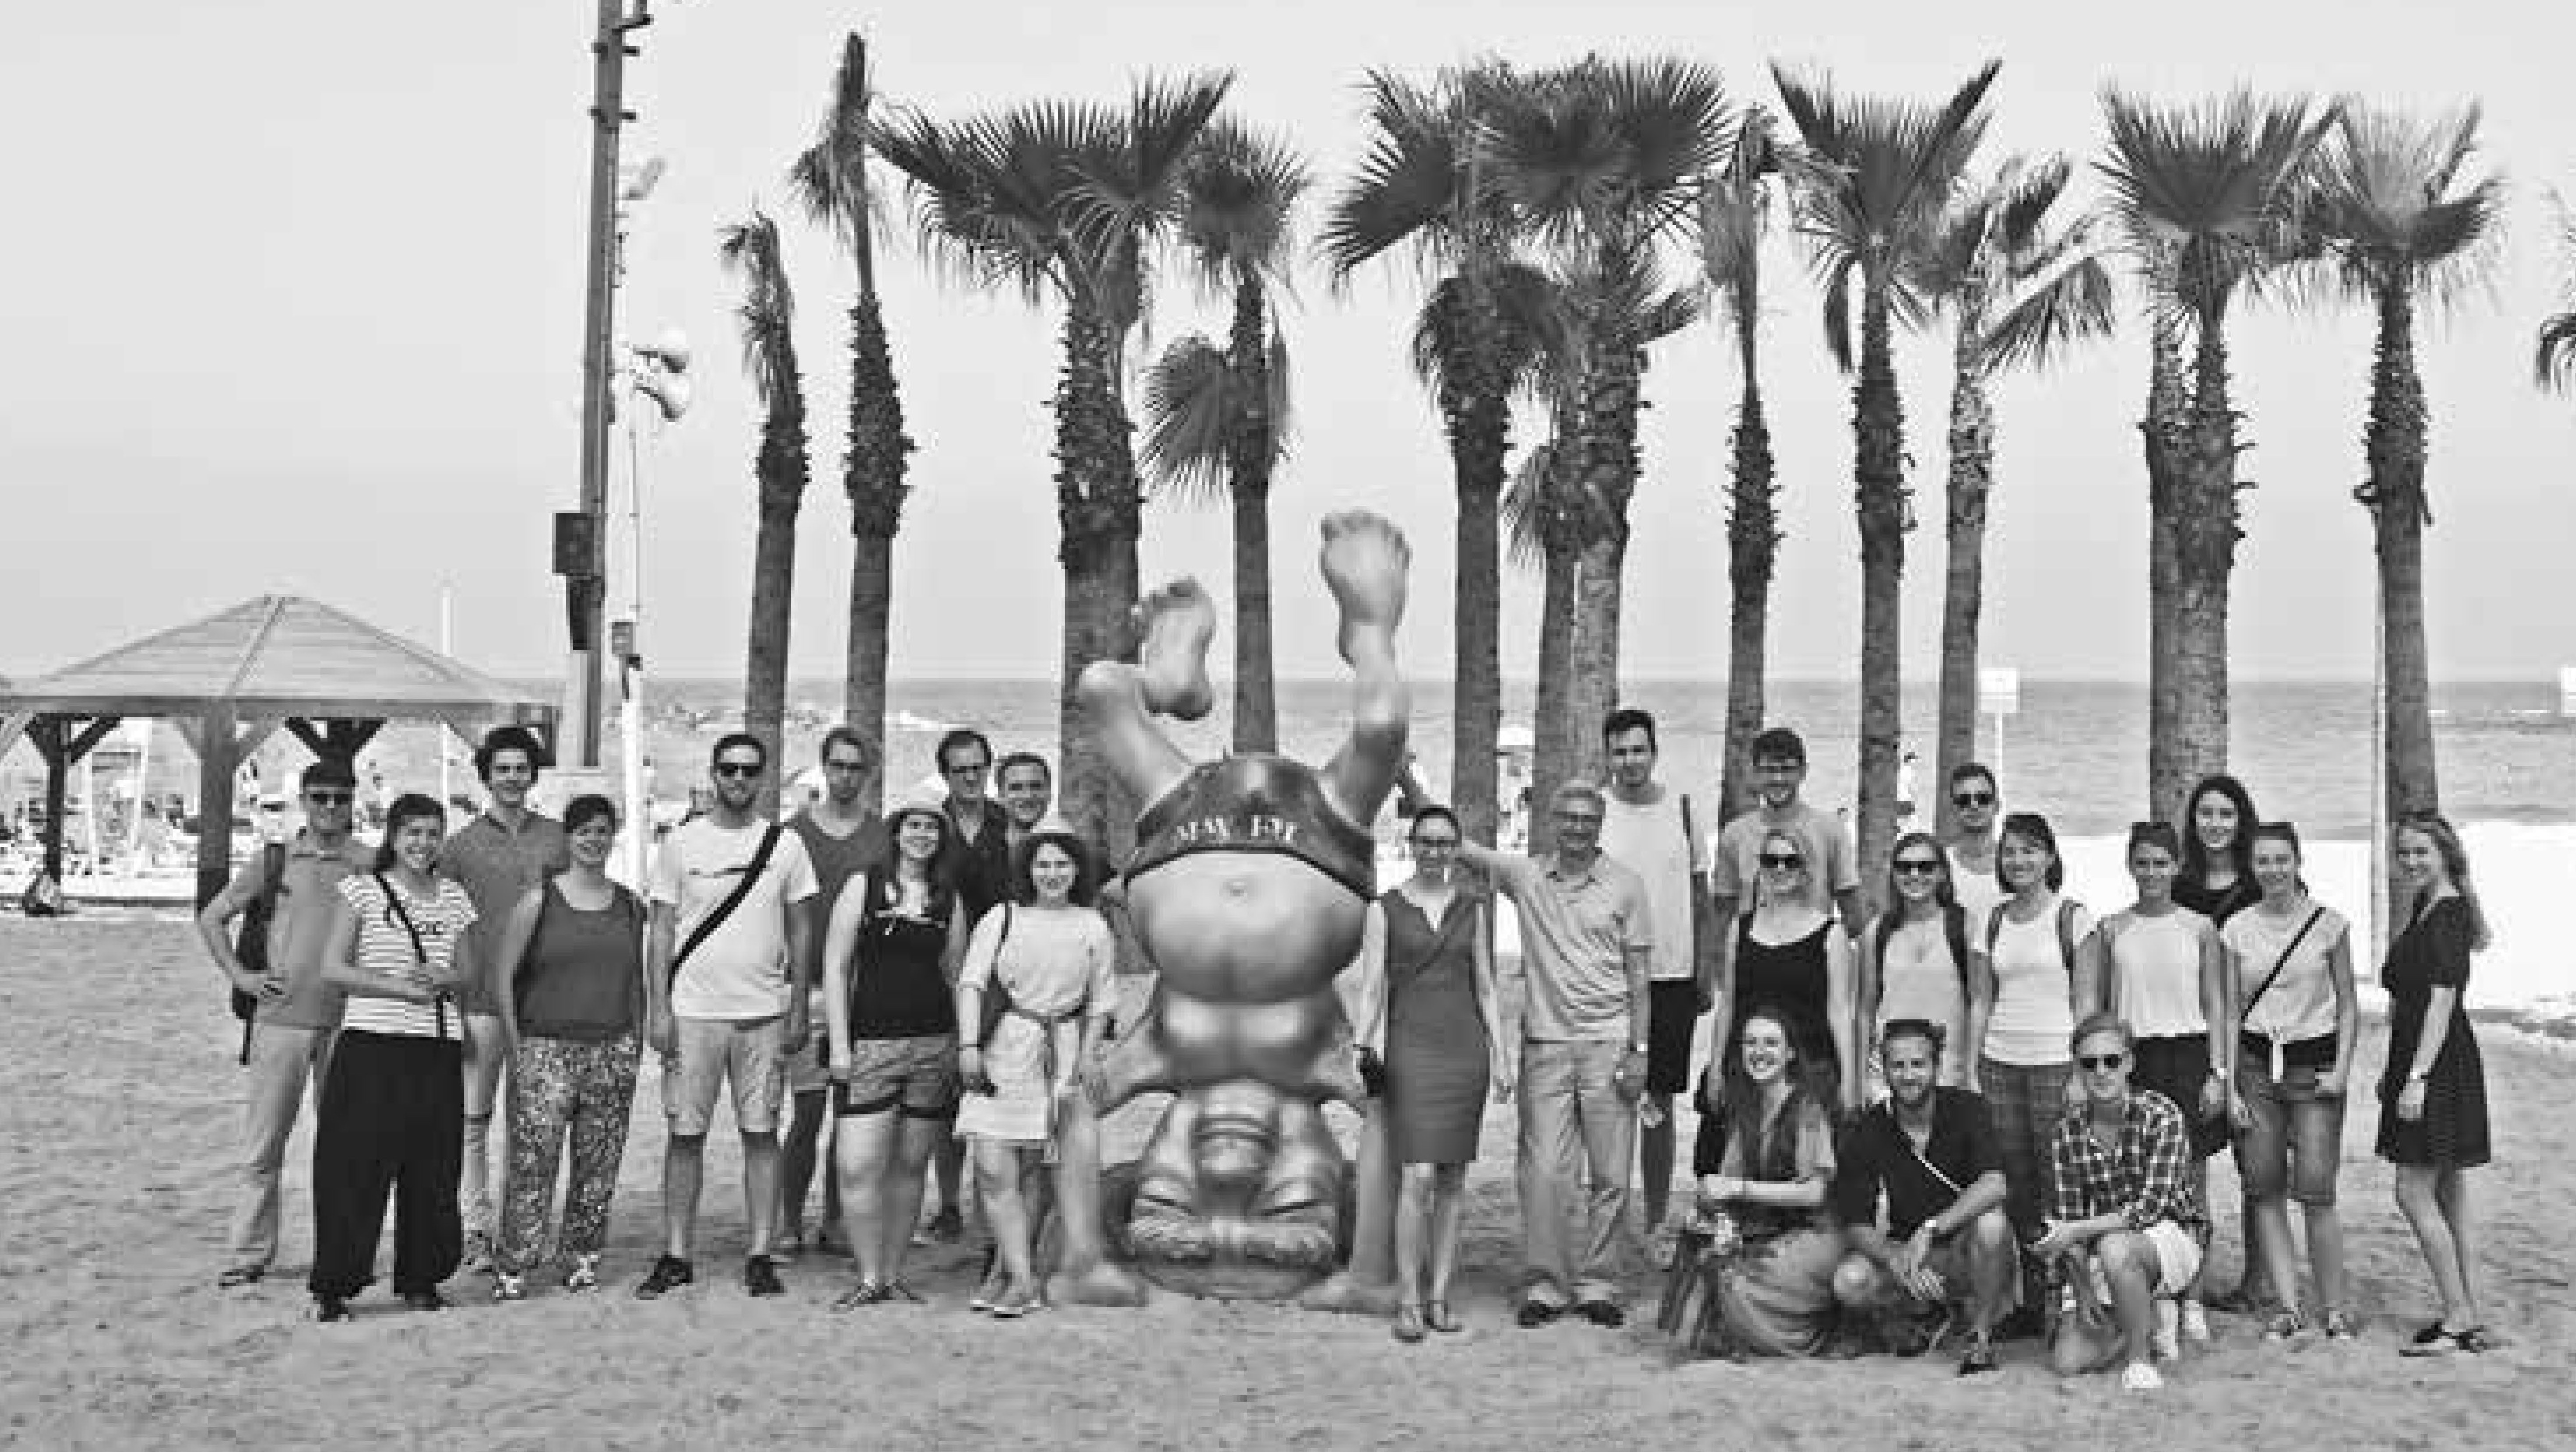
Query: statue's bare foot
point(1365, 560)
point(1339, 1293)
point(1104, 1284)
point(1176, 622)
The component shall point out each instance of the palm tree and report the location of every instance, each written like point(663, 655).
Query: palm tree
point(1066, 200)
point(2019, 288)
point(1216, 422)
point(831, 179)
point(1601, 161)
point(2205, 194)
point(768, 315)
point(1734, 218)
point(1870, 212)
point(2553, 359)
point(1421, 189)
point(2402, 224)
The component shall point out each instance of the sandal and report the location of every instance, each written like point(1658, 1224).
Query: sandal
point(2474, 1339)
point(1437, 1316)
point(2284, 1326)
point(2338, 1327)
point(1978, 1359)
point(1408, 1322)
point(865, 1293)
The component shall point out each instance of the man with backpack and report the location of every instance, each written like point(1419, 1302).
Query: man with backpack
point(725, 960)
point(282, 899)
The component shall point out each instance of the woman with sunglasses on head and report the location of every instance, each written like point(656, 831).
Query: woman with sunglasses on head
point(2298, 1025)
point(2216, 878)
point(571, 1006)
point(2037, 965)
point(392, 1116)
point(2168, 979)
point(890, 966)
point(1914, 960)
point(1426, 960)
point(2432, 1095)
point(1789, 955)
point(1772, 1292)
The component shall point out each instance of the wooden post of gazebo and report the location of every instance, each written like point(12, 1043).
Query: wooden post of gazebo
point(217, 760)
point(62, 747)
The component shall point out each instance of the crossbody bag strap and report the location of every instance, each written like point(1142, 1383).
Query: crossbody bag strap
point(419, 952)
point(2278, 964)
point(707, 925)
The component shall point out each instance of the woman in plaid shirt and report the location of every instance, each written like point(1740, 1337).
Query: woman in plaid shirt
point(2126, 1222)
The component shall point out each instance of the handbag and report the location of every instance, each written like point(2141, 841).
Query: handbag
point(996, 1002)
point(250, 946)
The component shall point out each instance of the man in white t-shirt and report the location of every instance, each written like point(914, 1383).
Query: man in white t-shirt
point(1978, 806)
point(734, 1008)
point(1832, 877)
point(1651, 830)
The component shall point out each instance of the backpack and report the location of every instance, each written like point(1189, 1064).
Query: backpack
point(2065, 930)
point(250, 946)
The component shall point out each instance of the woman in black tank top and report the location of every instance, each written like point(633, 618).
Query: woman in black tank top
point(1789, 956)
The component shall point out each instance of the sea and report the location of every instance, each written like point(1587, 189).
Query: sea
point(2073, 750)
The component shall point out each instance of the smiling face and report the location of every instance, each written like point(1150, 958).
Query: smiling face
point(1783, 865)
point(2419, 859)
point(916, 836)
point(1632, 758)
point(511, 775)
point(416, 843)
point(1919, 872)
point(2022, 863)
point(1577, 817)
point(2151, 867)
point(593, 841)
point(1435, 848)
point(1051, 872)
point(2276, 868)
point(1764, 1043)
point(2102, 1064)
point(2214, 821)
point(1977, 801)
point(1776, 779)
point(327, 808)
point(1912, 1066)
point(1026, 794)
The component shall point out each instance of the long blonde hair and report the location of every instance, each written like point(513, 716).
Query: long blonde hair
point(2455, 865)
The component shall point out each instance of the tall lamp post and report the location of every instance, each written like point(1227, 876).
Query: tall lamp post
point(580, 555)
point(656, 372)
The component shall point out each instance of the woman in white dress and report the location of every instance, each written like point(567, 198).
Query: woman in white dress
point(1050, 956)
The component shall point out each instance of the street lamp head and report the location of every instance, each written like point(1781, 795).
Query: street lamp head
point(670, 351)
point(635, 183)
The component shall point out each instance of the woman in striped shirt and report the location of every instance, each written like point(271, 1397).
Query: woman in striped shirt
point(392, 1114)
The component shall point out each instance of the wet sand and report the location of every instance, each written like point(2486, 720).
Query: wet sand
point(120, 1121)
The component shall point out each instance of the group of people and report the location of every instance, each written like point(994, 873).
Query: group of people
point(1985, 1109)
point(823, 966)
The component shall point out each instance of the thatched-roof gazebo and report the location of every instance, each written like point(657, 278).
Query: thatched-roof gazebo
point(227, 681)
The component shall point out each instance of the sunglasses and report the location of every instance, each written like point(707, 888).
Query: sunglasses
point(738, 768)
point(829, 765)
point(1435, 841)
point(2102, 1063)
point(328, 799)
point(1781, 859)
point(1972, 799)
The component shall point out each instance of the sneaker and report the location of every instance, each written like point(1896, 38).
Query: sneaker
point(897, 1291)
point(2141, 1377)
point(669, 1273)
point(947, 1227)
point(425, 1300)
point(2338, 1328)
point(508, 1287)
point(583, 1275)
point(2195, 1323)
point(760, 1277)
point(865, 1293)
point(235, 1277)
point(1014, 1302)
point(989, 1291)
point(1602, 1313)
point(2167, 1339)
point(1537, 1313)
point(330, 1308)
point(1978, 1359)
point(2284, 1326)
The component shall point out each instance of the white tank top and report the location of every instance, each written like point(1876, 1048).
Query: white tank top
point(2032, 1016)
point(2155, 973)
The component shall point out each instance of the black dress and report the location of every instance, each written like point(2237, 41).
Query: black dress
point(2433, 953)
point(1438, 1061)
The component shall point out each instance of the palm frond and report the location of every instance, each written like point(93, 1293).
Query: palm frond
point(1407, 188)
point(749, 249)
point(829, 178)
point(2387, 207)
point(1189, 407)
point(2210, 190)
point(1524, 501)
point(1238, 200)
point(2553, 361)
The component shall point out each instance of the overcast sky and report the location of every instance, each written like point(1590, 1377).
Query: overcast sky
point(293, 299)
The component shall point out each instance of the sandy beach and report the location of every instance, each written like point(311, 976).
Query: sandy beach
point(122, 1113)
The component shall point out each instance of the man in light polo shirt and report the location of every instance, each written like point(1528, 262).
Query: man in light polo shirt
point(290, 1034)
point(498, 858)
point(1652, 831)
point(1587, 945)
point(734, 1009)
point(1833, 872)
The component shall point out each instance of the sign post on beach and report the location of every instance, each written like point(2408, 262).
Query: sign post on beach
point(1998, 695)
point(2567, 690)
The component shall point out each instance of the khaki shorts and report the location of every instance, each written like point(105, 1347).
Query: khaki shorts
point(748, 1052)
point(915, 1077)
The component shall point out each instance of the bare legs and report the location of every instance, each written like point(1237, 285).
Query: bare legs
point(1120, 701)
point(2435, 1201)
point(1427, 1216)
point(484, 1060)
point(2129, 1263)
point(1364, 562)
point(882, 1159)
point(1001, 1169)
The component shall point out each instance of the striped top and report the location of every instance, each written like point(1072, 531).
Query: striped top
point(383, 947)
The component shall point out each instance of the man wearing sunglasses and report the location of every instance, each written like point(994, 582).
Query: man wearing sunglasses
point(297, 1014)
point(2126, 1224)
point(1976, 806)
point(725, 960)
point(498, 858)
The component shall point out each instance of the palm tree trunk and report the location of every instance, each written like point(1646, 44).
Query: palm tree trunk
point(782, 473)
point(1753, 548)
point(2165, 433)
point(1963, 593)
point(1879, 501)
point(1552, 756)
point(2205, 538)
point(871, 618)
point(1248, 456)
point(1478, 417)
point(1612, 390)
point(872, 476)
point(1096, 507)
point(2395, 494)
